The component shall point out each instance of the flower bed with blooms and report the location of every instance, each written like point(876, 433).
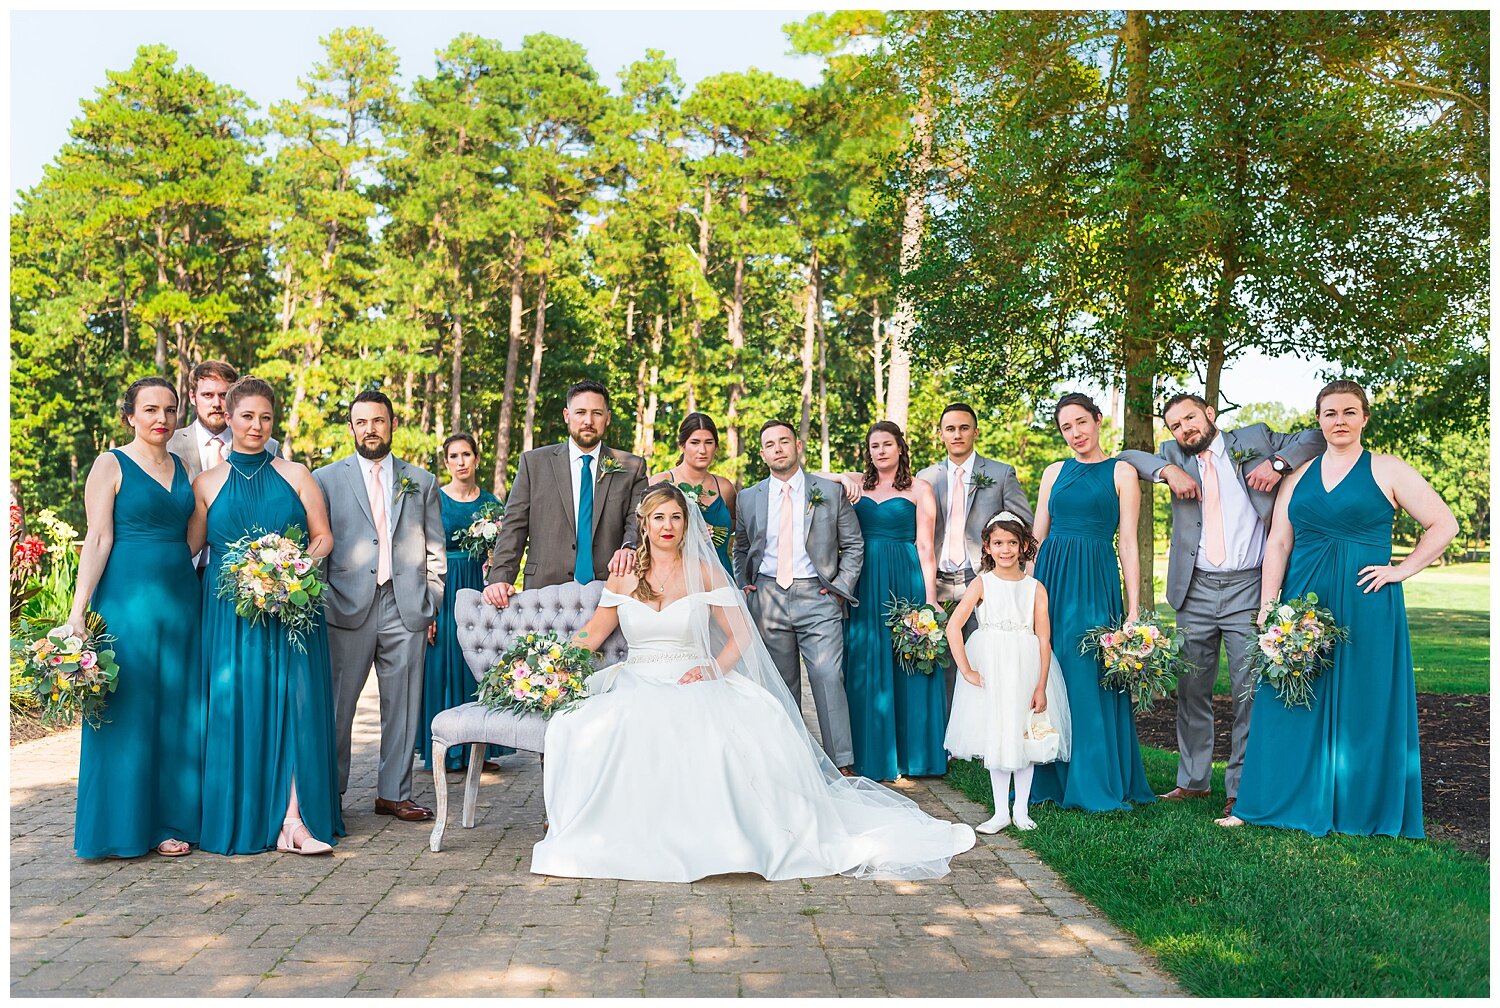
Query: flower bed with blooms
point(269, 576)
point(478, 539)
point(1141, 658)
point(68, 673)
point(1293, 647)
point(917, 635)
point(538, 674)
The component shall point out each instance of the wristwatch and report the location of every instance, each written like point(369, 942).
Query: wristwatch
point(627, 545)
point(1280, 464)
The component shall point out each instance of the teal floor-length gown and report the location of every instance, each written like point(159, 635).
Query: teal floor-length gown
point(447, 681)
point(717, 516)
point(270, 706)
point(897, 720)
point(140, 774)
point(1078, 566)
point(1350, 764)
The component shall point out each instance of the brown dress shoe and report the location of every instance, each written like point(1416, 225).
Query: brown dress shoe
point(1229, 808)
point(406, 810)
point(848, 771)
point(1180, 794)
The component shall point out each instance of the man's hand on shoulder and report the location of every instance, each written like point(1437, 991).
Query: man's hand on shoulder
point(623, 562)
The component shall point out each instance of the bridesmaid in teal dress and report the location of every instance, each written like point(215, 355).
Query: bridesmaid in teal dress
point(1083, 502)
point(897, 720)
point(698, 437)
point(447, 681)
point(270, 775)
point(1350, 763)
point(140, 781)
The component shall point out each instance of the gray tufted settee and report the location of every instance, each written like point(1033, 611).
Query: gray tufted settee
point(484, 631)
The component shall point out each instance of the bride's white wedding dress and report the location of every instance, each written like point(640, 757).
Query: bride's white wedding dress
point(654, 781)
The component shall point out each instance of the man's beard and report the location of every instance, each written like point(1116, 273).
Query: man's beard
point(373, 454)
point(578, 439)
point(209, 426)
point(1196, 447)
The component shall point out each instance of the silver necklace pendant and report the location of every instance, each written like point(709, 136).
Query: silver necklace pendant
point(253, 472)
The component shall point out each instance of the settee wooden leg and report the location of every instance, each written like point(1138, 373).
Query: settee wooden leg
point(471, 783)
point(440, 790)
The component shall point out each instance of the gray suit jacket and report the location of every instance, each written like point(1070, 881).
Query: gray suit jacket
point(541, 511)
point(835, 543)
point(1254, 444)
point(181, 444)
point(1003, 494)
point(419, 556)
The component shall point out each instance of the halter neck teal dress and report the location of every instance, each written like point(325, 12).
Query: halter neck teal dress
point(1350, 764)
point(140, 777)
point(270, 706)
point(1080, 569)
point(897, 720)
point(447, 681)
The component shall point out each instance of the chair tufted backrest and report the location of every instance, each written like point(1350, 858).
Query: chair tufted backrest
point(484, 631)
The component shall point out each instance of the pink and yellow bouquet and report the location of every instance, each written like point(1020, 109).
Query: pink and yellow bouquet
point(1293, 647)
point(68, 672)
point(538, 674)
point(917, 635)
point(268, 575)
point(1140, 658)
point(478, 539)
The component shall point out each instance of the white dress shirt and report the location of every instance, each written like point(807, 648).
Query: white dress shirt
point(387, 481)
point(802, 565)
point(575, 471)
point(967, 466)
point(208, 454)
point(1244, 534)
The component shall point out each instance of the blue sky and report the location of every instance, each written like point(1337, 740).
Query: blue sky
point(57, 60)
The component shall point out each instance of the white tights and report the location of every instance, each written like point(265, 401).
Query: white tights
point(1000, 784)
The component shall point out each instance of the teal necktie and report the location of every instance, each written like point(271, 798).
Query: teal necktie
point(583, 564)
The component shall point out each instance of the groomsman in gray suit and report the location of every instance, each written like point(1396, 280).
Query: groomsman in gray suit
point(798, 551)
point(571, 510)
point(971, 489)
point(385, 583)
point(204, 443)
point(1223, 493)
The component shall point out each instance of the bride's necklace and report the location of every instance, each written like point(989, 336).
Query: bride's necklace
point(661, 589)
point(253, 471)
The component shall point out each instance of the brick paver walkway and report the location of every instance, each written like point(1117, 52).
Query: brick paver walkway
point(384, 915)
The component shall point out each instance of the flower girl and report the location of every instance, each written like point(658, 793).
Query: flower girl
point(1010, 708)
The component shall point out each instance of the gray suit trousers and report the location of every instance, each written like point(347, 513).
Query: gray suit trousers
point(399, 657)
point(1217, 607)
point(950, 589)
point(802, 626)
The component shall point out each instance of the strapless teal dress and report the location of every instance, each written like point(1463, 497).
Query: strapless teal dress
point(270, 706)
point(897, 720)
point(447, 681)
point(1078, 566)
point(1350, 764)
point(140, 773)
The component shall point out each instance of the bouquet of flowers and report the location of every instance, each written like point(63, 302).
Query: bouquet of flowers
point(269, 575)
point(1140, 658)
point(538, 674)
point(1293, 647)
point(917, 635)
point(479, 538)
point(694, 493)
point(69, 673)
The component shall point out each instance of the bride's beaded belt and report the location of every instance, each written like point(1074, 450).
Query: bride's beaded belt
point(658, 657)
point(1005, 624)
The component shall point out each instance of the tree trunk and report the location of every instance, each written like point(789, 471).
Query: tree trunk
point(809, 345)
point(1139, 337)
point(538, 345)
point(429, 403)
point(913, 223)
point(822, 376)
point(736, 346)
point(161, 281)
point(456, 373)
point(878, 338)
point(512, 361)
point(653, 386)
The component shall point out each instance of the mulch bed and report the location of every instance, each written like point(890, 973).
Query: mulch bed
point(29, 728)
point(1455, 737)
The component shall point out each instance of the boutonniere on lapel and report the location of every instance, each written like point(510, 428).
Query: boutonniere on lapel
point(1239, 456)
point(983, 481)
point(609, 465)
point(815, 498)
point(406, 485)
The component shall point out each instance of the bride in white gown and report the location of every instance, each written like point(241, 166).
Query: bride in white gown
point(690, 758)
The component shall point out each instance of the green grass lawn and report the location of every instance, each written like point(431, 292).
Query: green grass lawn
point(1448, 611)
point(1268, 912)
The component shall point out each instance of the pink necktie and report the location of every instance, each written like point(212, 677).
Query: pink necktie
point(784, 539)
point(219, 447)
point(1213, 512)
point(382, 533)
point(955, 528)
